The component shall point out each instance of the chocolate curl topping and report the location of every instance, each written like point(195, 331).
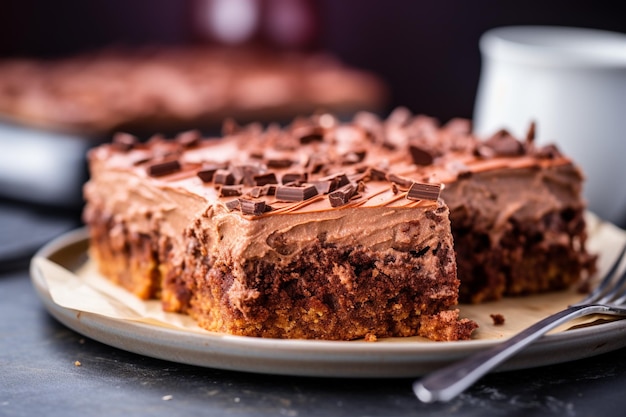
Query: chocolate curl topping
point(295, 193)
point(400, 181)
point(164, 168)
point(421, 191)
point(420, 156)
point(341, 196)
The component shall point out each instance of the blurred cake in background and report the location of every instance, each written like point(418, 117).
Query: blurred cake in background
point(53, 111)
point(174, 88)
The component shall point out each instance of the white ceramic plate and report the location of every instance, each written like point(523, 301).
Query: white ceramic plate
point(394, 358)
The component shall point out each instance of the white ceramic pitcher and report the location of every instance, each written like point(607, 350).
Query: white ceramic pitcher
point(572, 83)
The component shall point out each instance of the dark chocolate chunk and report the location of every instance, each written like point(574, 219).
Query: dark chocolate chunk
point(376, 174)
point(420, 156)
point(267, 178)
point(223, 176)
point(323, 187)
point(421, 191)
point(230, 190)
point(256, 154)
point(245, 173)
point(252, 207)
point(316, 163)
point(206, 174)
point(294, 177)
point(308, 134)
point(233, 205)
point(268, 189)
point(295, 193)
point(504, 144)
point(400, 181)
point(353, 157)
point(124, 141)
point(279, 163)
point(342, 195)
point(164, 168)
point(340, 180)
point(189, 138)
point(548, 152)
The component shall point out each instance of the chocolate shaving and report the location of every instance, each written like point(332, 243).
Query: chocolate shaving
point(189, 138)
point(341, 196)
point(400, 181)
point(224, 176)
point(420, 156)
point(164, 168)
point(421, 191)
point(254, 208)
point(230, 190)
point(531, 133)
point(295, 193)
point(124, 141)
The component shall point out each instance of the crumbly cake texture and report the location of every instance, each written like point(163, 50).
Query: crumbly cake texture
point(335, 230)
point(166, 88)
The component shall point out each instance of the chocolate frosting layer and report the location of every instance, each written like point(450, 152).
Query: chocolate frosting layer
point(268, 192)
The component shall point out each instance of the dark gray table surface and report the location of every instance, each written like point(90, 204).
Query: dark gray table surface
point(39, 377)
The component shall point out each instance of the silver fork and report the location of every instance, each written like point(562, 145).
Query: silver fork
point(609, 297)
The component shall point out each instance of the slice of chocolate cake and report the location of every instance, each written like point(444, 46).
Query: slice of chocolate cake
point(330, 230)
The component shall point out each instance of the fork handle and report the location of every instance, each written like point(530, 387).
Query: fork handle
point(447, 383)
